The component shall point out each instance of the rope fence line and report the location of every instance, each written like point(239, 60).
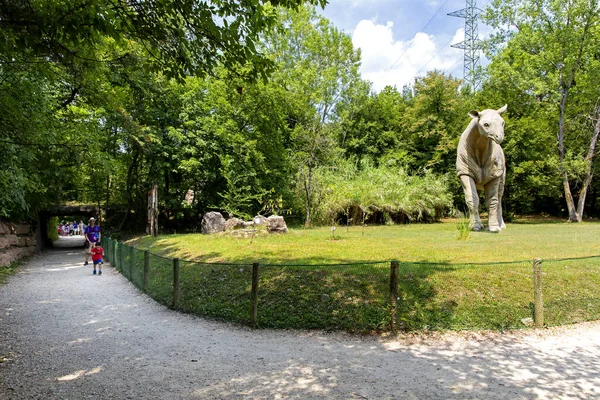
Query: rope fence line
point(369, 296)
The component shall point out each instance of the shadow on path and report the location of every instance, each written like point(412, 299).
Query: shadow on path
point(65, 333)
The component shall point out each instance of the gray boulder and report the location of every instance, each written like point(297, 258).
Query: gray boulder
point(276, 224)
point(213, 222)
point(234, 223)
point(259, 220)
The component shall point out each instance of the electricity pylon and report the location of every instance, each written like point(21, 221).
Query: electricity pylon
point(471, 44)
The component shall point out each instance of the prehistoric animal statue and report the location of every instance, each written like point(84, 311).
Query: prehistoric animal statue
point(480, 165)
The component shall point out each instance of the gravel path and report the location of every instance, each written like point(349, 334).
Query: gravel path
point(69, 241)
point(66, 334)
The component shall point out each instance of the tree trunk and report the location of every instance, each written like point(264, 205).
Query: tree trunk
point(307, 193)
point(565, 84)
point(582, 194)
point(590, 159)
point(573, 216)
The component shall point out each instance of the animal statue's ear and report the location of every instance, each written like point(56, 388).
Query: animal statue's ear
point(474, 114)
point(503, 109)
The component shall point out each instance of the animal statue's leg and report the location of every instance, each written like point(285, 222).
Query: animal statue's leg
point(491, 199)
point(472, 200)
point(501, 223)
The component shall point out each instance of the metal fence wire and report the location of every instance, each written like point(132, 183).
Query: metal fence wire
point(464, 296)
point(366, 296)
point(571, 290)
point(220, 291)
point(352, 297)
point(160, 279)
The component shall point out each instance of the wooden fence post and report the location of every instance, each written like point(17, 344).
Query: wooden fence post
point(538, 304)
point(254, 296)
point(394, 295)
point(146, 269)
point(175, 283)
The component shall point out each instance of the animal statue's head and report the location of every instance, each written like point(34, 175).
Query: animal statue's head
point(490, 123)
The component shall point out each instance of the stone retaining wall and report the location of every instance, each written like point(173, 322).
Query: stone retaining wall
point(17, 240)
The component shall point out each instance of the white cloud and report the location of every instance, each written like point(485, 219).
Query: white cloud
point(459, 36)
point(386, 61)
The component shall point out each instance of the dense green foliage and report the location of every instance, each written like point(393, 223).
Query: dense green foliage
point(546, 65)
point(52, 228)
point(101, 101)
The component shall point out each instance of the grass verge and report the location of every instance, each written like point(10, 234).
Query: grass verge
point(444, 283)
point(7, 271)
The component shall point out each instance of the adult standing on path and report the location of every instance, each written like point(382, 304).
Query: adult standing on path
point(92, 235)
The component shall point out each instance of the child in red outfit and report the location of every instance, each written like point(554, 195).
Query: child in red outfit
point(97, 254)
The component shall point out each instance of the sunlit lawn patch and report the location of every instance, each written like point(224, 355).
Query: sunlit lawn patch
point(479, 283)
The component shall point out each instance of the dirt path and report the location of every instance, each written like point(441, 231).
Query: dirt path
point(66, 334)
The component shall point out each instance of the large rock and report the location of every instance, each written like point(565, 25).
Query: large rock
point(234, 223)
point(6, 258)
point(259, 220)
point(247, 233)
point(13, 240)
point(276, 224)
point(5, 242)
point(25, 241)
point(14, 254)
point(5, 228)
point(213, 222)
point(21, 229)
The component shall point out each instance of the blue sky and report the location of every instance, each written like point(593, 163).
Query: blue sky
point(396, 41)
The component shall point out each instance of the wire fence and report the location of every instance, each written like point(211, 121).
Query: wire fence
point(369, 296)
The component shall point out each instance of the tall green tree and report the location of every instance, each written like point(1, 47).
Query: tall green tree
point(547, 49)
point(181, 37)
point(434, 121)
point(370, 127)
point(318, 66)
point(80, 73)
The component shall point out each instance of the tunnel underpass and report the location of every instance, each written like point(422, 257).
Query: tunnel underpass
point(69, 214)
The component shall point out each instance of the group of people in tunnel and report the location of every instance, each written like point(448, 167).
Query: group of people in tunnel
point(91, 233)
point(71, 228)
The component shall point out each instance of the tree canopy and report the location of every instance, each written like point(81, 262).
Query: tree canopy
point(258, 107)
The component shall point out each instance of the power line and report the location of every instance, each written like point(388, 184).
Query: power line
point(413, 40)
point(453, 65)
point(432, 57)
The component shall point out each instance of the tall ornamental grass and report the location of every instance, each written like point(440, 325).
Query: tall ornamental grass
point(359, 193)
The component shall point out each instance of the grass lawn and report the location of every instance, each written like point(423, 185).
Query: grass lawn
point(440, 287)
point(417, 242)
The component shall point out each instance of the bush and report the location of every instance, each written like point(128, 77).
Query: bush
point(52, 229)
